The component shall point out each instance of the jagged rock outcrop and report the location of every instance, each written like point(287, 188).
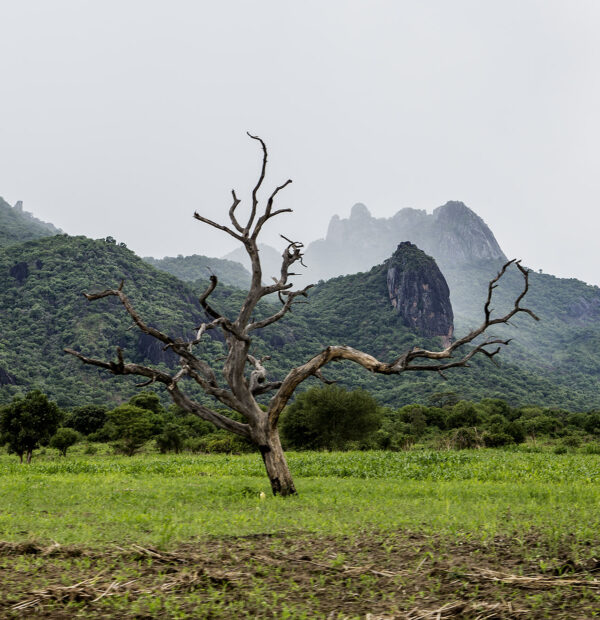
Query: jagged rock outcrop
point(453, 234)
point(419, 292)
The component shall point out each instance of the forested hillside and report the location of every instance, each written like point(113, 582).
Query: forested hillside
point(41, 285)
point(355, 310)
point(198, 267)
point(42, 281)
point(17, 225)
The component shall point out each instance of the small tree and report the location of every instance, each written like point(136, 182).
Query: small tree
point(170, 439)
point(131, 427)
point(28, 422)
point(87, 419)
point(245, 375)
point(330, 417)
point(63, 439)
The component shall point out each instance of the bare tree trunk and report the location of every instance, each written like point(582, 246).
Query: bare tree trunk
point(29, 453)
point(276, 465)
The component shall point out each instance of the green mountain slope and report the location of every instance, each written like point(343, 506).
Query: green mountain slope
point(43, 311)
point(355, 310)
point(198, 267)
point(17, 225)
point(565, 341)
point(41, 285)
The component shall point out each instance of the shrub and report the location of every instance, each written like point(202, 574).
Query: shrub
point(87, 419)
point(330, 417)
point(63, 439)
point(218, 443)
point(170, 440)
point(463, 414)
point(591, 448)
point(496, 439)
point(465, 437)
point(131, 427)
point(26, 423)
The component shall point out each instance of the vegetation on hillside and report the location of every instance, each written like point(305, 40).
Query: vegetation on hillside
point(17, 225)
point(197, 267)
point(42, 281)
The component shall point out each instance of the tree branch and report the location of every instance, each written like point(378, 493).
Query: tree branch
point(404, 362)
point(258, 184)
point(287, 306)
point(132, 313)
point(267, 214)
point(232, 217)
point(119, 368)
point(217, 225)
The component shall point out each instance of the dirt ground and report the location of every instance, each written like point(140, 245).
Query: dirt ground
point(372, 576)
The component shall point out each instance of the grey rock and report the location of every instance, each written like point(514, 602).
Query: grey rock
point(452, 234)
point(419, 292)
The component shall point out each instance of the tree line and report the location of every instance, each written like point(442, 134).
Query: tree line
point(321, 418)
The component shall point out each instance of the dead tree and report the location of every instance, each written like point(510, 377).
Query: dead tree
point(245, 375)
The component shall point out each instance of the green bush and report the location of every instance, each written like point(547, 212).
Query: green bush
point(170, 440)
point(218, 442)
point(466, 437)
point(463, 414)
point(130, 427)
point(593, 447)
point(63, 439)
point(87, 419)
point(497, 439)
point(330, 417)
point(26, 423)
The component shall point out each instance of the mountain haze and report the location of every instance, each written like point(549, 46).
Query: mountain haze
point(452, 234)
point(17, 225)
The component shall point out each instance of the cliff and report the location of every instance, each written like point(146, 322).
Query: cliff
point(419, 292)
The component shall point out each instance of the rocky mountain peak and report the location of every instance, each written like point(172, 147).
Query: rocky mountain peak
point(358, 211)
point(453, 234)
point(419, 292)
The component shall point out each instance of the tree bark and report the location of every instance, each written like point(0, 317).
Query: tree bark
point(276, 465)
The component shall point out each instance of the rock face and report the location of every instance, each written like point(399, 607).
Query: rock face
point(453, 234)
point(419, 292)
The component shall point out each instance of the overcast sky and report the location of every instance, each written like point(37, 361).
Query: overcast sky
point(121, 117)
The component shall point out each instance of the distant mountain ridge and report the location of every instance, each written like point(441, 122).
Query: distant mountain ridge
point(17, 225)
point(270, 260)
point(452, 234)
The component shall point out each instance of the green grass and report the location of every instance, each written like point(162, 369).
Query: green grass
point(162, 500)
point(433, 520)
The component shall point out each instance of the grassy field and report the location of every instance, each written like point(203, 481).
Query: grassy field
point(419, 534)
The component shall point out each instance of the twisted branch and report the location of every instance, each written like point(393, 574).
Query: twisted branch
point(405, 362)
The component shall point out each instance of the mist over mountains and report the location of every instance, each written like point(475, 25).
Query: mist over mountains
point(453, 234)
point(17, 225)
point(380, 308)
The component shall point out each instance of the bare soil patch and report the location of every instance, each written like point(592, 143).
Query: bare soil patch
point(374, 575)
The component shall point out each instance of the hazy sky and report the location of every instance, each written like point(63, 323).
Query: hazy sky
point(122, 117)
